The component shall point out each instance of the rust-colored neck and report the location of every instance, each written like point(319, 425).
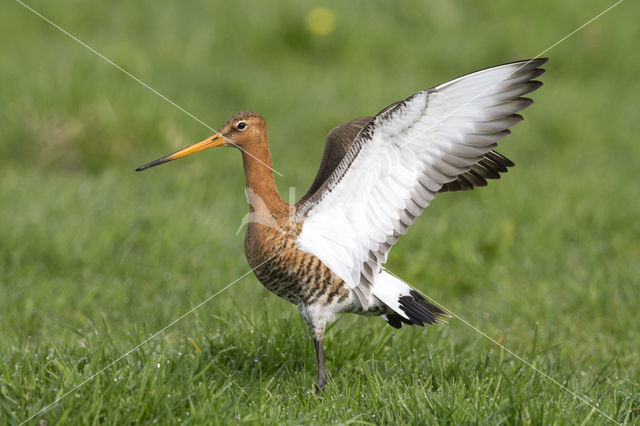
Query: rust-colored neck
point(258, 171)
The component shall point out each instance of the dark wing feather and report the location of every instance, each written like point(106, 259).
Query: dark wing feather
point(338, 142)
point(489, 167)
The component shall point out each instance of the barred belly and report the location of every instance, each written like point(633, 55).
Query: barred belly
point(301, 277)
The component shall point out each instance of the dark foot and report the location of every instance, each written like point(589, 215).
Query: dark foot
point(322, 380)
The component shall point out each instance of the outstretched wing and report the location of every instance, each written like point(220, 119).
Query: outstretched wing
point(402, 158)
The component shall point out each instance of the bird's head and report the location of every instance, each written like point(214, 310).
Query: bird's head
point(241, 131)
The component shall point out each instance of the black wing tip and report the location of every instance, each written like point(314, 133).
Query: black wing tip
point(519, 118)
point(525, 100)
point(534, 85)
point(500, 159)
point(419, 311)
point(529, 64)
point(540, 61)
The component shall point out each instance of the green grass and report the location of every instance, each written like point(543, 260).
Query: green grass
point(94, 259)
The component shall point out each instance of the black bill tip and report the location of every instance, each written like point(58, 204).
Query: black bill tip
point(155, 163)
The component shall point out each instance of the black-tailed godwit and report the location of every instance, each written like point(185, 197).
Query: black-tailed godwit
point(325, 253)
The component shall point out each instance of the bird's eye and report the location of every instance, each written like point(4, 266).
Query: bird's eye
point(241, 125)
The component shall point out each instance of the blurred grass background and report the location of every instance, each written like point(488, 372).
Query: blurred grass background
point(95, 258)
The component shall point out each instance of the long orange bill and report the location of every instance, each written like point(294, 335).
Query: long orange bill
point(211, 142)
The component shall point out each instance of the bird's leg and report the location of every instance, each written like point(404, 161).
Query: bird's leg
point(322, 373)
point(317, 320)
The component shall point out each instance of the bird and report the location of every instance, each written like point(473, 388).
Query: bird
point(326, 252)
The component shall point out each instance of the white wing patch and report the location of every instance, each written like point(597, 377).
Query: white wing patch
point(399, 162)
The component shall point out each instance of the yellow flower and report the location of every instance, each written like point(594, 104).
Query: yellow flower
point(320, 21)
